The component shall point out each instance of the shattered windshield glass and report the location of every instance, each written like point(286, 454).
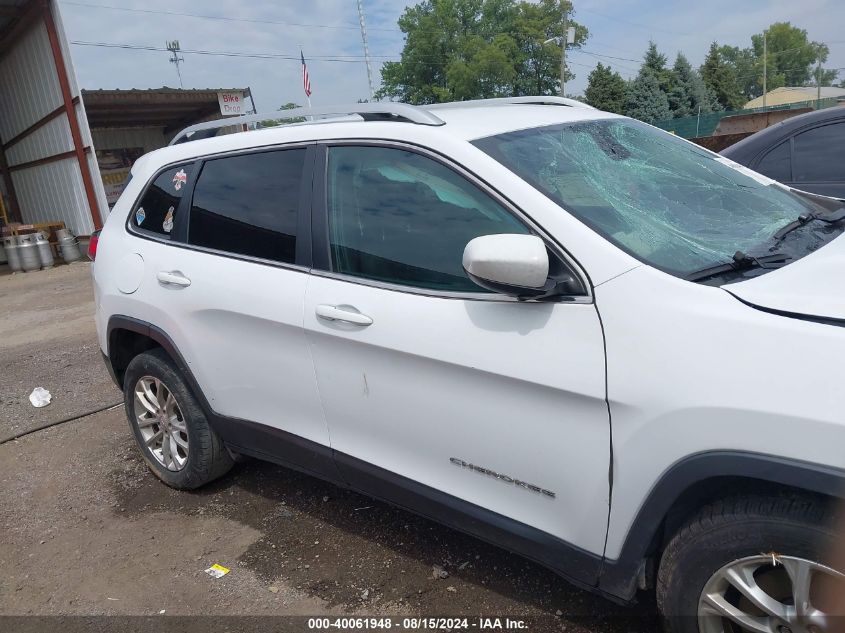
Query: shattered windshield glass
point(661, 199)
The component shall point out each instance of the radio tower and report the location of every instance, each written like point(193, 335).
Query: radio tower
point(173, 47)
point(366, 49)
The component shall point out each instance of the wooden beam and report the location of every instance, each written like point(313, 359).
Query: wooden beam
point(14, 207)
point(47, 160)
point(75, 132)
point(38, 124)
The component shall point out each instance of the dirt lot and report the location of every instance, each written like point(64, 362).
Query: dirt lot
point(86, 530)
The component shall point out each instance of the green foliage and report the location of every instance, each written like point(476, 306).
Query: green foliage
point(791, 56)
point(471, 49)
point(655, 62)
point(645, 100)
point(606, 90)
point(748, 70)
point(791, 60)
point(290, 105)
point(689, 95)
point(721, 78)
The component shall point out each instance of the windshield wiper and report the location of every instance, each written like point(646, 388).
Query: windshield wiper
point(740, 262)
point(830, 217)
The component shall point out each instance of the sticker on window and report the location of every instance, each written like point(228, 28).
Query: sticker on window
point(140, 214)
point(168, 221)
point(179, 179)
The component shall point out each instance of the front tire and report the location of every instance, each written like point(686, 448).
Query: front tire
point(757, 563)
point(172, 432)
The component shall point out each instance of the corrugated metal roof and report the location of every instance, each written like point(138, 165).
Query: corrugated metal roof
point(795, 94)
point(10, 11)
point(827, 91)
point(158, 107)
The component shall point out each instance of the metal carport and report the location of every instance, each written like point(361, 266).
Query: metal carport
point(49, 170)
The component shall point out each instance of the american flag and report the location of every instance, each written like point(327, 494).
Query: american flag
point(306, 80)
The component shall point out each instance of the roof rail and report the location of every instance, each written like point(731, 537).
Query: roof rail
point(367, 111)
point(559, 101)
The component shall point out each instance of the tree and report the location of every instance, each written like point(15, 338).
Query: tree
point(655, 61)
point(469, 49)
point(606, 90)
point(791, 57)
point(748, 69)
point(721, 79)
point(290, 105)
point(688, 92)
point(645, 100)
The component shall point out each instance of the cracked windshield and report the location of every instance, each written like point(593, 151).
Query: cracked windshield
point(659, 198)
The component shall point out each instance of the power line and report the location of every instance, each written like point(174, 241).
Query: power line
point(647, 27)
point(222, 18)
point(188, 51)
point(338, 58)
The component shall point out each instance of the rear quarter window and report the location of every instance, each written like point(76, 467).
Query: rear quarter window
point(156, 210)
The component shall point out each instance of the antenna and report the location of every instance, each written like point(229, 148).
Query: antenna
point(366, 49)
point(173, 47)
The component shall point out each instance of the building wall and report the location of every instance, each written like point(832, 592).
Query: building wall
point(29, 91)
point(147, 138)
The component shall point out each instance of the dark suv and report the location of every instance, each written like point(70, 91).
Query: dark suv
point(806, 152)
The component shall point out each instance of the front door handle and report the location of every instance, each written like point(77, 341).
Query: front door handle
point(347, 314)
point(173, 278)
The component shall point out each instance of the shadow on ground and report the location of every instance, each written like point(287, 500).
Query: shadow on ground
point(350, 550)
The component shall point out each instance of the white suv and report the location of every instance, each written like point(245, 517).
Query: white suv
point(561, 330)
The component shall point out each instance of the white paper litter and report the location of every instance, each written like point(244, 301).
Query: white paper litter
point(40, 397)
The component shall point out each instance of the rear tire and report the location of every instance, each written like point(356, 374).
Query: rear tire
point(172, 432)
point(749, 546)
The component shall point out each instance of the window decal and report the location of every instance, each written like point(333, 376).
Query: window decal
point(140, 214)
point(168, 221)
point(179, 179)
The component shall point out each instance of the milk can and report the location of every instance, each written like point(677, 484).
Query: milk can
point(68, 245)
point(28, 251)
point(13, 253)
point(45, 251)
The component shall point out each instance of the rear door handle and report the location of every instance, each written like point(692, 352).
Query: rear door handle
point(173, 278)
point(347, 314)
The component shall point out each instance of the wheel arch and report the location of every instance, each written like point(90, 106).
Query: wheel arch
point(691, 483)
point(127, 337)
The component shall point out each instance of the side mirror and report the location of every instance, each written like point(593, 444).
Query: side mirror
point(510, 264)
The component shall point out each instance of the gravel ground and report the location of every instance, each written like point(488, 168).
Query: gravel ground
point(87, 530)
point(47, 339)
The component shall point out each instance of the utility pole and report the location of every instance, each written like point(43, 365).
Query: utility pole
point(366, 49)
point(765, 62)
point(563, 56)
point(819, 79)
point(173, 47)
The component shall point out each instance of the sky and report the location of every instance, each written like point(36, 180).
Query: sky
point(328, 33)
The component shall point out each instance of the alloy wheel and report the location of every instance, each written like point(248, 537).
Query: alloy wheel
point(161, 423)
point(769, 593)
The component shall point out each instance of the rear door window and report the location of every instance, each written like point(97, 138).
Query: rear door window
point(249, 204)
point(158, 208)
point(819, 154)
point(777, 164)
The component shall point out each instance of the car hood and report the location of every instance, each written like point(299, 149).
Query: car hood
point(813, 286)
